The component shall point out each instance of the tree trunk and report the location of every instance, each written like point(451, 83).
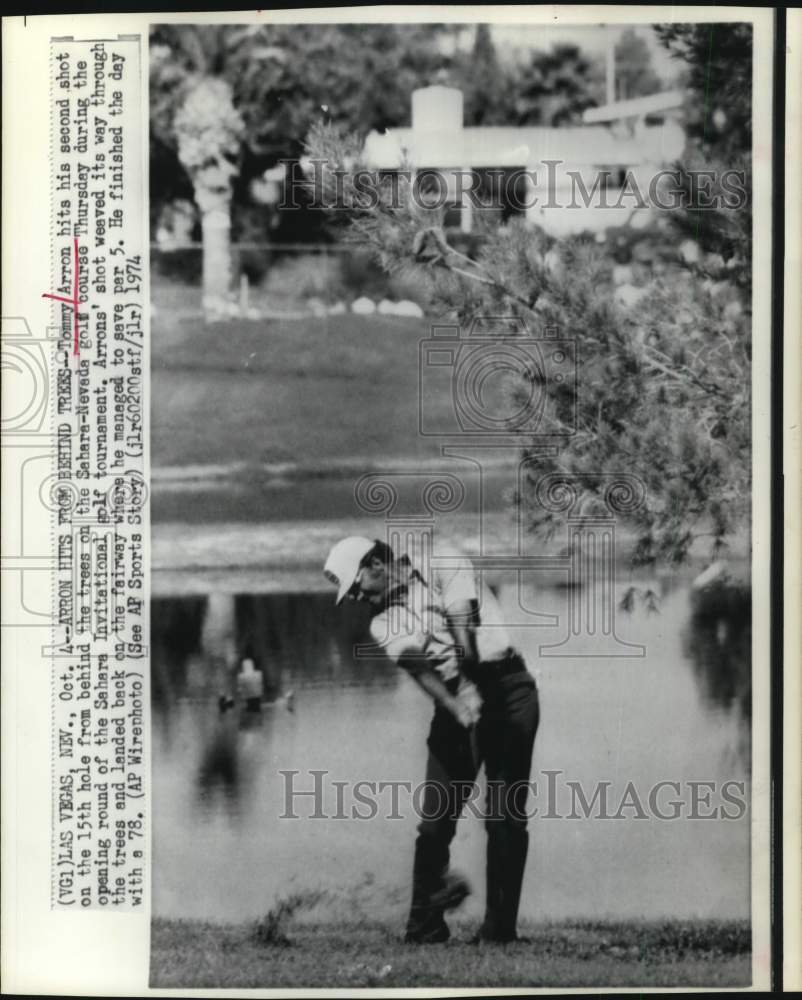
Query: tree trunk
point(216, 226)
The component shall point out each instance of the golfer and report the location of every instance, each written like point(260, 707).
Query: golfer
point(446, 630)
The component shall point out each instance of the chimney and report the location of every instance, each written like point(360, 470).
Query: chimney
point(437, 109)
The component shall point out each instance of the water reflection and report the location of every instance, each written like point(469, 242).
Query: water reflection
point(681, 712)
point(228, 761)
point(718, 642)
point(199, 644)
point(220, 767)
point(294, 642)
point(175, 637)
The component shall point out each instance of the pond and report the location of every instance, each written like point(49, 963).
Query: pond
point(225, 848)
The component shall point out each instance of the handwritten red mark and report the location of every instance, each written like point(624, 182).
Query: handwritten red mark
point(72, 301)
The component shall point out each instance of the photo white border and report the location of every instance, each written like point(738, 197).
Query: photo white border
point(792, 463)
point(94, 953)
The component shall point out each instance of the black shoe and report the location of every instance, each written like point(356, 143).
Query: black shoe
point(454, 890)
point(481, 937)
point(436, 935)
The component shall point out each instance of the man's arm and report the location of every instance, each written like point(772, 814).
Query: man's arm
point(461, 604)
point(429, 680)
point(463, 617)
point(406, 647)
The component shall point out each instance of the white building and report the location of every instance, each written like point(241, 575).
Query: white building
point(615, 139)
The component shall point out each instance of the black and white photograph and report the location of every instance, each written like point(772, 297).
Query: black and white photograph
point(453, 505)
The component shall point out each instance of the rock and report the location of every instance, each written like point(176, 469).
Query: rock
point(363, 306)
point(337, 309)
point(404, 308)
point(408, 308)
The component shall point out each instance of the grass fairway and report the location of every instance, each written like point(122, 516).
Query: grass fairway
point(192, 954)
point(306, 391)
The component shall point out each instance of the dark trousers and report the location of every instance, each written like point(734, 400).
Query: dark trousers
point(503, 740)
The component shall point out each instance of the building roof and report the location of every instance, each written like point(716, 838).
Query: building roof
point(504, 146)
point(635, 106)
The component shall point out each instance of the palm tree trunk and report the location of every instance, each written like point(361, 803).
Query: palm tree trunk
point(216, 228)
point(209, 130)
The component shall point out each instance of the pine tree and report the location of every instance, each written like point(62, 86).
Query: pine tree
point(555, 87)
point(634, 73)
point(663, 383)
point(717, 67)
point(484, 83)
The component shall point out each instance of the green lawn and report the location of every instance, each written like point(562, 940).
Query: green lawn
point(309, 391)
point(191, 954)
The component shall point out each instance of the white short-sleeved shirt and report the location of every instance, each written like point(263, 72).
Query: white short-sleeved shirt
point(417, 623)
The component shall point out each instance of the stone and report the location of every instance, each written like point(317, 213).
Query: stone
point(408, 308)
point(363, 306)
